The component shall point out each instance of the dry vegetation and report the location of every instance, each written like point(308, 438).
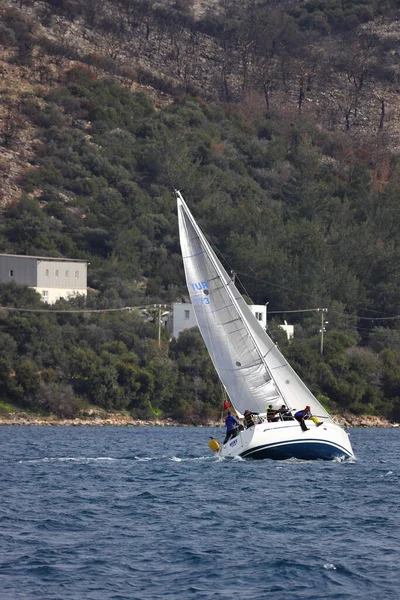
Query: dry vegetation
point(350, 86)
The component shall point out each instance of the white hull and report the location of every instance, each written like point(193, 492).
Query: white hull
point(286, 439)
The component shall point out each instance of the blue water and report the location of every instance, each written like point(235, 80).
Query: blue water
point(148, 513)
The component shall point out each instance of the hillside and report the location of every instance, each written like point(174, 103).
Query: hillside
point(280, 123)
point(342, 72)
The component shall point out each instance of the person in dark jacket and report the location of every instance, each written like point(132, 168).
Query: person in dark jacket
point(285, 413)
point(301, 416)
point(231, 427)
point(248, 418)
point(272, 416)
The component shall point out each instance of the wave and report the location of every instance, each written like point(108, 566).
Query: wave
point(79, 459)
point(88, 459)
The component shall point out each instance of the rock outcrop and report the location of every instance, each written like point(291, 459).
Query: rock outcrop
point(118, 420)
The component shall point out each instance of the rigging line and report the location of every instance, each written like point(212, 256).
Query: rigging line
point(283, 287)
point(302, 293)
point(219, 253)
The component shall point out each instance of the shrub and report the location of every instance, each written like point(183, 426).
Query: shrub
point(7, 36)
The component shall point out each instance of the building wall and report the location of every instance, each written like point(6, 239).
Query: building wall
point(183, 317)
point(51, 278)
point(51, 295)
point(21, 269)
point(66, 275)
point(260, 313)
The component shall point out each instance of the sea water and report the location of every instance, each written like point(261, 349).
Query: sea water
point(149, 513)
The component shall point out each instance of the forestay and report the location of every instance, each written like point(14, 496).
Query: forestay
point(252, 369)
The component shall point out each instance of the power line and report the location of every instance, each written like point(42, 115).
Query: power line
point(296, 311)
point(322, 300)
point(80, 310)
point(370, 310)
point(333, 311)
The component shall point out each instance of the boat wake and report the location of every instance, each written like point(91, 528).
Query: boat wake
point(130, 459)
point(77, 459)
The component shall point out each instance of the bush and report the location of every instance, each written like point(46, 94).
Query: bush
point(7, 36)
point(100, 62)
point(58, 49)
point(59, 399)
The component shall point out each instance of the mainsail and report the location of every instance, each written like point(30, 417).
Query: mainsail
point(252, 369)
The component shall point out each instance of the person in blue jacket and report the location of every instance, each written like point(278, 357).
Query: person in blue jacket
point(301, 416)
point(231, 426)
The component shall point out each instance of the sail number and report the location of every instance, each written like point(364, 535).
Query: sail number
point(198, 287)
point(201, 301)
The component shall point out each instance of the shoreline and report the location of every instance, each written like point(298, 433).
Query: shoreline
point(347, 420)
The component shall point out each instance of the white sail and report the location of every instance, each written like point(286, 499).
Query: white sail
point(252, 369)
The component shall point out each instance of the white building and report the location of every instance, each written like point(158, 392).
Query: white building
point(52, 278)
point(288, 329)
point(260, 313)
point(183, 318)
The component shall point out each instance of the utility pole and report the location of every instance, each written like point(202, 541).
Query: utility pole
point(159, 325)
point(323, 323)
point(160, 315)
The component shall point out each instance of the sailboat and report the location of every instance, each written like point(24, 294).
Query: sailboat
point(251, 368)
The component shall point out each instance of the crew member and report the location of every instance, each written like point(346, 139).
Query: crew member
point(285, 413)
point(302, 415)
point(231, 426)
point(248, 418)
point(271, 414)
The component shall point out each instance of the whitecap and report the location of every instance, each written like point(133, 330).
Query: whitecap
point(329, 566)
point(50, 459)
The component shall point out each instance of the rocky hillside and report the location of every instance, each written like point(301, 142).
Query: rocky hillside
point(259, 57)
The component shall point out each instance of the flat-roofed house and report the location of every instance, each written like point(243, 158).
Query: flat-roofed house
point(52, 278)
